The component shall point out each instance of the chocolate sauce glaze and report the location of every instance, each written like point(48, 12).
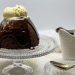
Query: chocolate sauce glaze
point(18, 34)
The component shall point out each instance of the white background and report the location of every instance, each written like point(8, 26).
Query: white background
point(46, 14)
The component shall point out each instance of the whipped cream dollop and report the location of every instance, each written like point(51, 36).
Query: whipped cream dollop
point(17, 11)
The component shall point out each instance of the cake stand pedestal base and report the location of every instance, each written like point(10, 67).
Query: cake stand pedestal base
point(46, 46)
point(17, 68)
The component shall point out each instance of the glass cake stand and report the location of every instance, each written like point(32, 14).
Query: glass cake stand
point(46, 46)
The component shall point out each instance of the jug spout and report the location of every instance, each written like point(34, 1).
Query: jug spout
point(58, 29)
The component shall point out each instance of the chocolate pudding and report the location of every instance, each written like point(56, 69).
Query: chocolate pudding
point(18, 33)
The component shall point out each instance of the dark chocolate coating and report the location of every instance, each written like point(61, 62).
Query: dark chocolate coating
point(18, 34)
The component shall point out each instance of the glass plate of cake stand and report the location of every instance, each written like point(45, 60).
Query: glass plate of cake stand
point(46, 46)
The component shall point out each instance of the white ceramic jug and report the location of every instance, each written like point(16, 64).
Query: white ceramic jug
point(67, 40)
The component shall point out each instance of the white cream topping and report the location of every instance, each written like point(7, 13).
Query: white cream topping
point(17, 11)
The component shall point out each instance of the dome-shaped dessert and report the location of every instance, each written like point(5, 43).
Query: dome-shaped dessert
point(18, 33)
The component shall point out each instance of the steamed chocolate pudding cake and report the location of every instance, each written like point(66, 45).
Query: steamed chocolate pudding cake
point(17, 31)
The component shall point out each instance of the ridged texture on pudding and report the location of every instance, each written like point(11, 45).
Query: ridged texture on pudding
point(18, 34)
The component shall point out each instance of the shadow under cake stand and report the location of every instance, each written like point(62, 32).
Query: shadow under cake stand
point(46, 46)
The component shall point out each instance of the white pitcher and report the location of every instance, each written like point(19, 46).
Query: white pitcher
point(67, 40)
